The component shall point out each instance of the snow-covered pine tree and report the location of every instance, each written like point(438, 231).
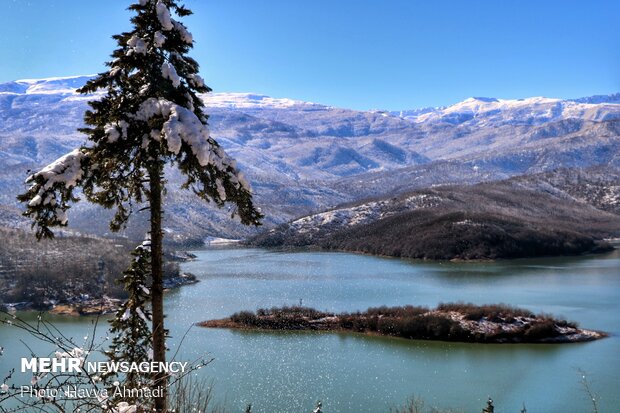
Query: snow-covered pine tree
point(148, 115)
point(131, 329)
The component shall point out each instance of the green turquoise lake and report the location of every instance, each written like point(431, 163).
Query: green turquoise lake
point(289, 372)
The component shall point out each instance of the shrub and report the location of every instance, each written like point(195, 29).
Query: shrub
point(540, 330)
point(244, 317)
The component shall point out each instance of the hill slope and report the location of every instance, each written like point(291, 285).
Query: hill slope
point(565, 212)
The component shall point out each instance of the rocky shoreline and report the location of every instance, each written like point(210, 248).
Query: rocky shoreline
point(89, 306)
point(448, 322)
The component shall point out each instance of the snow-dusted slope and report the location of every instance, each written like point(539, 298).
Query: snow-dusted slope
point(52, 85)
point(547, 213)
point(531, 111)
point(304, 157)
point(254, 101)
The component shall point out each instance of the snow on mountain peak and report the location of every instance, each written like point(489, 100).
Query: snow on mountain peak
point(533, 110)
point(252, 101)
point(68, 85)
point(613, 98)
point(479, 104)
point(481, 99)
point(47, 86)
point(466, 110)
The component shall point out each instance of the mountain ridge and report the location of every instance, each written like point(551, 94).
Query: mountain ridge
point(304, 157)
point(68, 85)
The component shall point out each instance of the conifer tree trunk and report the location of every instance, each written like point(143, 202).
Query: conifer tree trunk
point(157, 289)
point(151, 87)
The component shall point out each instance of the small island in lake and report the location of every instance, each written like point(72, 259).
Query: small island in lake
point(461, 322)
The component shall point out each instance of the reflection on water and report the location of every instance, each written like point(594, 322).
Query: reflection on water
point(288, 372)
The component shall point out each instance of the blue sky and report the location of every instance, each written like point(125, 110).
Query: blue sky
point(363, 54)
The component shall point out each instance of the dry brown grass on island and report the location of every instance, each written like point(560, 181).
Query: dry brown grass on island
point(497, 323)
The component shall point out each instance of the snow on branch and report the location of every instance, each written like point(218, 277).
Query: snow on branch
point(181, 125)
point(168, 23)
point(163, 15)
point(196, 81)
point(159, 39)
point(186, 137)
point(124, 407)
point(186, 36)
point(113, 132)
point(52, 189)
point(136, 45)
point(169, 72)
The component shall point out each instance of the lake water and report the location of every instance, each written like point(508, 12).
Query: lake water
point(289, 372)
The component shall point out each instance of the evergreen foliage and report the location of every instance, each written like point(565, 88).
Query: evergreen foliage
point(130, 328)
point(149, 115)
point(146, 115)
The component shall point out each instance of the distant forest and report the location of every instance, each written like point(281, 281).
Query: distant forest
point(62, 270)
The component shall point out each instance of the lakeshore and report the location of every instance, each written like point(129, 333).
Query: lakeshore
point(92, 306)
point(364, 373)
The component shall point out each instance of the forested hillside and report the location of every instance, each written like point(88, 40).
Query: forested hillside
point(564, 212)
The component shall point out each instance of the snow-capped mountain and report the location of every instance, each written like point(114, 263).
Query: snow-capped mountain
point(531, 111)
point(303, 157)
point(53, 85)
